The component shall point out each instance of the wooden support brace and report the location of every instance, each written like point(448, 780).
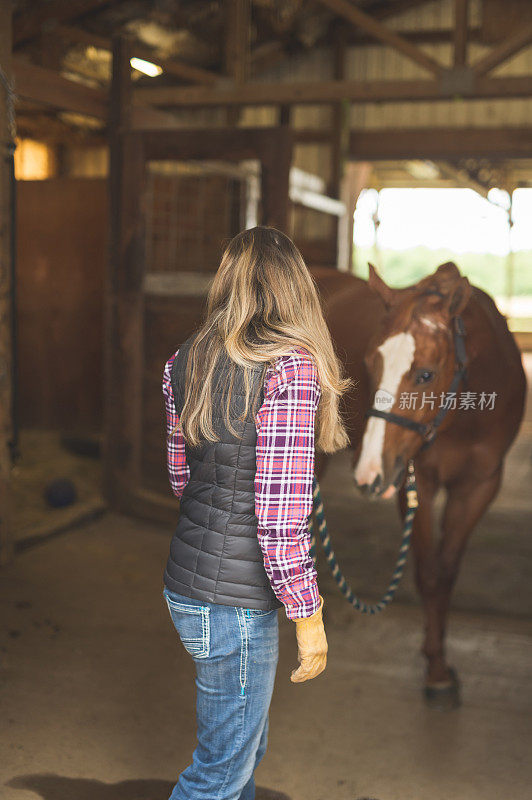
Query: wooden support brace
point(503, 51)
point(382, 33)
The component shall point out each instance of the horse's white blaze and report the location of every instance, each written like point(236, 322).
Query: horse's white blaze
point(397, 356)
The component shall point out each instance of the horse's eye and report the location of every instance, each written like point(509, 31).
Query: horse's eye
point(424, 376)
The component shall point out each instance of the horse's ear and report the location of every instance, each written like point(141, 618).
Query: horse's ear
point(376, 283)
point(447, 272)
point(453, 286)
point(459, 297)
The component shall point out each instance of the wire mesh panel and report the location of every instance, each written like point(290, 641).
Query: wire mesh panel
point(192, 209)
point(191, 212)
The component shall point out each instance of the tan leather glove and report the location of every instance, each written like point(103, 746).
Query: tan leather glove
point(312, 646)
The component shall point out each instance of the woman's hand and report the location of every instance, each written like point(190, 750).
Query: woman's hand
point(312, 646)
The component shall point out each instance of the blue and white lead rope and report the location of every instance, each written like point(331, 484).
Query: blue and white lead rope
point(345, 589)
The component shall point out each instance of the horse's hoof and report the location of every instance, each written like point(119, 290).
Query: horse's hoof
point(444, 696)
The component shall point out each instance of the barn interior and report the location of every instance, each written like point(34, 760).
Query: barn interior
point(137, 138)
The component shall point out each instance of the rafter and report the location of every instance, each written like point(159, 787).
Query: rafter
point(382, 33)
point(29, 24)
point(503, 51)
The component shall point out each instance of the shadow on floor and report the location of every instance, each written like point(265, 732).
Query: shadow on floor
point(56, 787)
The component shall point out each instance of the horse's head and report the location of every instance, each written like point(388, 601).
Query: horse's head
point(410, 362)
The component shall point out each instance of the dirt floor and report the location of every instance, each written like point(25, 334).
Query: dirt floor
point(97, 694)
point(44, 457)
point(97, 697)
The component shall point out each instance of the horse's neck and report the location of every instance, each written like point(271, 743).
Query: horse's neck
point(490, 347)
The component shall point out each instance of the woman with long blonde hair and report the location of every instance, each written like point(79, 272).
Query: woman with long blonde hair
point(249, 397)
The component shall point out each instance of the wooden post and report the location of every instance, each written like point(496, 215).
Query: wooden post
point(276, 182)
point(339, 140)
point(237, 39)
point(460, 32)
point(6, 244)
point(237, 47)
point(338, 143)
point(123, 342)
point(356, 178)
point(285, 113)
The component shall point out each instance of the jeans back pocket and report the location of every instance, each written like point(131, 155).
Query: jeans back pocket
point(192, 623)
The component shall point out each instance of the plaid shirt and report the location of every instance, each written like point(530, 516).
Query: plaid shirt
point(283, 481)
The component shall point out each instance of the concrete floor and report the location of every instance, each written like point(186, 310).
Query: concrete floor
point(97, 695)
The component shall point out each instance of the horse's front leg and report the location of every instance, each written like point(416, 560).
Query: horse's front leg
point(467, 500)
point(426, 568)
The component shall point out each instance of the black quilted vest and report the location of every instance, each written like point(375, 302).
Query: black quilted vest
point(214, 553)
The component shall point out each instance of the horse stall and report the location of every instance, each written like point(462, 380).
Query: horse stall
point(137, 139)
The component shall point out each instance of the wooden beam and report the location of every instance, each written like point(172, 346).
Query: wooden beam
point(29, 23)
point(440, 143)
point(173, 66)
point(48, 88)
point(334, 91)
point(382, 33)
point(47, 127)
point(398, 7)
point(6, 292)
point(214, 143)
point(503, 51)
point(461, 10)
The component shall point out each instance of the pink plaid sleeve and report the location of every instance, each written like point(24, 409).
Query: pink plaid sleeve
point(283, 481)
point(178, 470)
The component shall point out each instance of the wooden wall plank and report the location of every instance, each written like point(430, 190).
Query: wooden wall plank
point(61, 262)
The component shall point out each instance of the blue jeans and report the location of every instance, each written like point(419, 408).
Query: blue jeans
point(235, 651)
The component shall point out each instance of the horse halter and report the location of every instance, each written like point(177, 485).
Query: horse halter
point(428, 430)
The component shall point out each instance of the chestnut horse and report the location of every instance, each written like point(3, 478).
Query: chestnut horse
point(438, 351)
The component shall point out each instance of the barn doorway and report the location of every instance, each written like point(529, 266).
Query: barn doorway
point(408, 227)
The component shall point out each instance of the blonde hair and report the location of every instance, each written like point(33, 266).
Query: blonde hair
point(262, 303)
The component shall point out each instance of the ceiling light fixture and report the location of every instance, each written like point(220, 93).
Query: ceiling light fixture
point(146, 67)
